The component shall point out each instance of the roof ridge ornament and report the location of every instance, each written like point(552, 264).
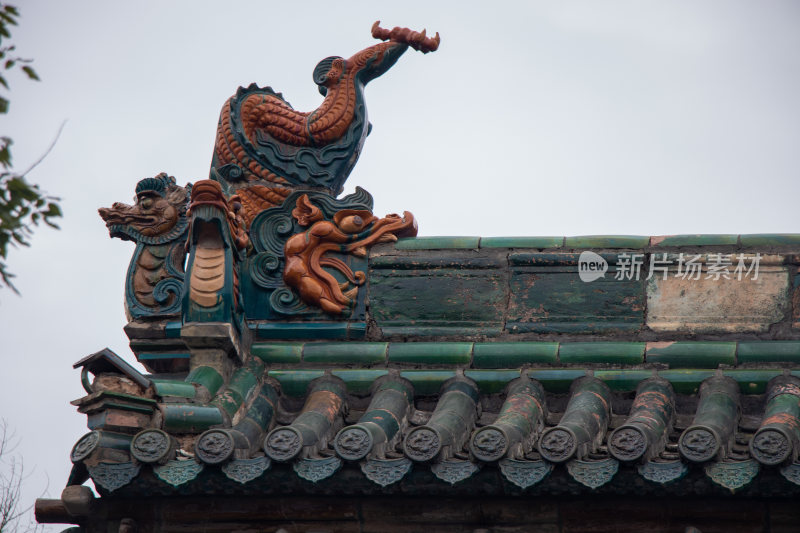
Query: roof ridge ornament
point(262, 139)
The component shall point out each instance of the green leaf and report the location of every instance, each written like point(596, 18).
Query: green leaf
point(3, 105)
point(53, 210)
point(30, 72)
point(10, 63)
point(3, 82)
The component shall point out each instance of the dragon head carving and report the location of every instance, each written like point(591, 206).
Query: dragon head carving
point(158, 216)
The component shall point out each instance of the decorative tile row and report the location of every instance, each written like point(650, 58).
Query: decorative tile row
point(601, 241)
point(524, 474)
point(674, 354)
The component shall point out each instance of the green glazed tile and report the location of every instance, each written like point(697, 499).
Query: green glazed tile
point(549, 296)
point(295, 382)
point(162, 356)
point(270, 353)
point(441, 331)
point(438, 243)
point(628, 353)
point(427, 382)
point(768, 352)
point(452, 293)
point(690, 354)
point(243, 382)
point(769, 239)
point(173, 330)
point(513, 354)
point(459, 260)
point(431, 353)
point(753, 381)
point(695, 240)
point(229, 402)
point(556, 380)
point(686, 381)
point(207, 377)
point(492, 381)
point(522, 242)
point(178, 389)
point(365, 353)
point(623, 380)
point(607, 241)
point(189, 418)
point(359, 381)
point(303, 330)
point(356, 330)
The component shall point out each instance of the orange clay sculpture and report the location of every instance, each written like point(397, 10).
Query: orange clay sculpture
point(351, 232)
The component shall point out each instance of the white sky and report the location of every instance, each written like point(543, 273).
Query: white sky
point(559, 118)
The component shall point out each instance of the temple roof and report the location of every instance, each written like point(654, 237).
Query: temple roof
point(299, 344)
point(324, 405)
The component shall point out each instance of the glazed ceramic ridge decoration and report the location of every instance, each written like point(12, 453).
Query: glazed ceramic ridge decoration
point(268, 215)
point(267, 148)
point(350, 232)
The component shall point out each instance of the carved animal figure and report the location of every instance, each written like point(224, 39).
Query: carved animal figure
point(216, 238)
point(157, 223)
point(350, 232)
point(262, 138)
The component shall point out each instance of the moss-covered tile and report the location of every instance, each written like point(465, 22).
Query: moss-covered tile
point(692, 354)
point(431, 353)
point(695, 240)
point(513, 354)
point(606, 241)
point(275, 352)
point(522, 242)
point(628, 353)
point(768, 352)
point(365, 353)
point(769, 239)
point(438, 243)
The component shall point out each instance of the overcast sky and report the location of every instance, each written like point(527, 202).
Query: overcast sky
point(559, 118)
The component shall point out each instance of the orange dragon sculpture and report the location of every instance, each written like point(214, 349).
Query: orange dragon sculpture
point(351, 231)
